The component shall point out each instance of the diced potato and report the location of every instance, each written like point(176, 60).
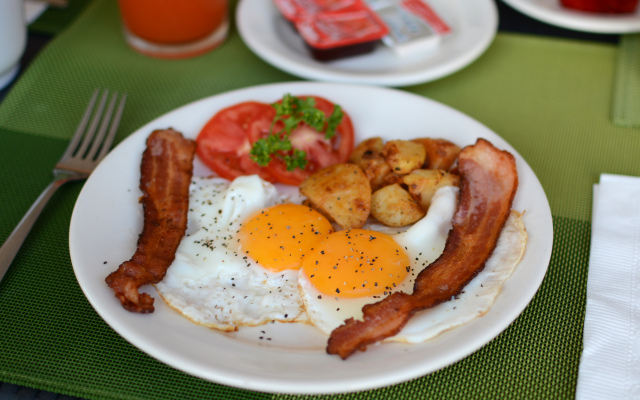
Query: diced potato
point(368, 155)
point(366, 150)
point(342, 192)
point(390, 179)
point(423, 184)
point(403, 156)
point(376, 169)
point(441, 153)
point(394, 206)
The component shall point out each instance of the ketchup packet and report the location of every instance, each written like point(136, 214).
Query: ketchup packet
point(294, 10)
point(334, 29)
point(339, 28)
point(328, 30)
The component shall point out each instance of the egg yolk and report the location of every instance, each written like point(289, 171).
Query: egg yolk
point(356, 263)
point(279, 237)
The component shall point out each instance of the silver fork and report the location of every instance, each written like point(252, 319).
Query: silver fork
point(86, 149)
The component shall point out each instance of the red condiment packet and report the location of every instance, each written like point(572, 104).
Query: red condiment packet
point(343, 28)
point(294, 10)
point(602, 6)
point(408, 27)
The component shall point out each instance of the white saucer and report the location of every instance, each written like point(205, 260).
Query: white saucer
point(552, 12)
point(268, 35)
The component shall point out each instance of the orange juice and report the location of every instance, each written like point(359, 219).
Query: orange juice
point(161, 28)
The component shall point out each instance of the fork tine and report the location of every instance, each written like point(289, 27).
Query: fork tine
point(90, 132)
point(106, 118)
point(114, 128)
point(81, 127)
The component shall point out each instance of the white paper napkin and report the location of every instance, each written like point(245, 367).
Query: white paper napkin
point(610, 363)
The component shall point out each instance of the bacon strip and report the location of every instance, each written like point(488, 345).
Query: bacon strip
point(488, 184)
point(166, 170)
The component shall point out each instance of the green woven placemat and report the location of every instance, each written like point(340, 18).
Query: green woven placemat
point(626, 96)
point(53, 340)
point(551, 99)
point(55, 20)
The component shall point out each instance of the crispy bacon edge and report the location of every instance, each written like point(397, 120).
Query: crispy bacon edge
point(489, 180)
point(166, 170)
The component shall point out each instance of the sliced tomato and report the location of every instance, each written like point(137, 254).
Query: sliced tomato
point(342, 143)
point(226, 140)
point(224, 143)
point(320, 151)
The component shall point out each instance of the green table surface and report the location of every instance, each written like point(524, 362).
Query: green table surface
point(551, 99)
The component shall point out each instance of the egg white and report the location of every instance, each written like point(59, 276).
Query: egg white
point(210, 281)
point(478, 296)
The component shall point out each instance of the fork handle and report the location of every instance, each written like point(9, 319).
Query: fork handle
point(13, 243)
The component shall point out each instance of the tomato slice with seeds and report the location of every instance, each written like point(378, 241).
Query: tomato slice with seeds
point(321, 152)
point(224, 144)
point(226, 140)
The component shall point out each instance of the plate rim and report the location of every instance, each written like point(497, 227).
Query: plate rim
point(297, 387)
point(579, 21)
point(319, 70)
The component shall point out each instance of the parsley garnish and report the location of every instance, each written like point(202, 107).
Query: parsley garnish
point(291, 112)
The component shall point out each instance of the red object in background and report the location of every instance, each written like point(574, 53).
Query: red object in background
point(174, 29)
point(602, 6)
point(294, 10)
point(173, 22)
point(341, 34)
point(334, 29)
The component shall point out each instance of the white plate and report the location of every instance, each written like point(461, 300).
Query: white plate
point(107, 219)
point(552, 12)
point(474, 24)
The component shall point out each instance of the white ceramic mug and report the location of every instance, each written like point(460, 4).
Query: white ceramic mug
point(13, 38)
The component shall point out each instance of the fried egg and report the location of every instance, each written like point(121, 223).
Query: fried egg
point(211, 281)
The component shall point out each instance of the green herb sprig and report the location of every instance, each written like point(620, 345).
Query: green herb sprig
point(291, 112)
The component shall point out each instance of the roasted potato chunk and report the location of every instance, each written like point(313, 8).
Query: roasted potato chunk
point(403, 156)
point(376, 169)
point(368, 155)
point(390, 179)
point(366, 150)
point(394, 206)
point(423, 184)
point(341, 192)
point(441, 153)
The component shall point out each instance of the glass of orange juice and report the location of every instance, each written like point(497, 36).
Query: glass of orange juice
point(174, 28)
